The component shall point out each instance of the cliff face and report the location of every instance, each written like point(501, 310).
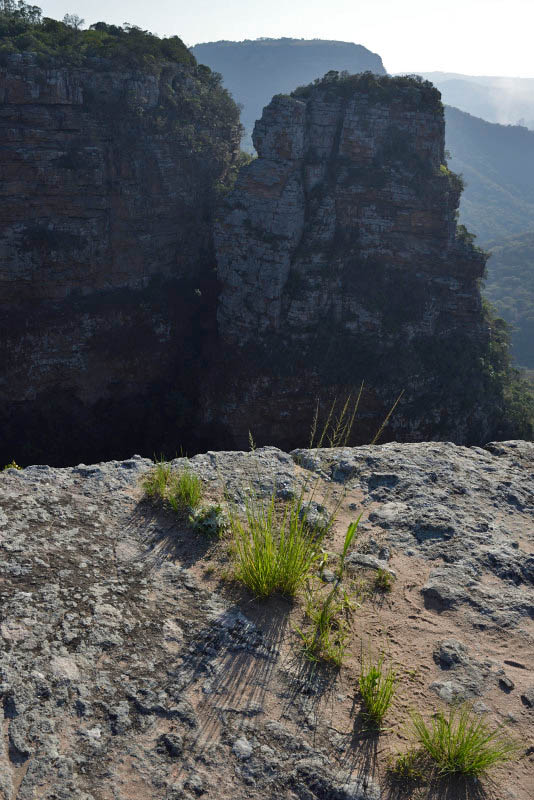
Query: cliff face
point(108, 181)
point(340, 261)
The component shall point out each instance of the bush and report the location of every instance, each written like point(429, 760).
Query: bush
point(462, 743)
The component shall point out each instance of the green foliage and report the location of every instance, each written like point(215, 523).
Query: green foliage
point(408, 767)
point(462, 743)
point(377, 688)
point(329, 613)
point(184, 491)
point(155, 482)
point(12, 465)
point(210, 521)
point(415, 92)
point(23, 29)
point(325, 641)
point(181, 490)
point(504, 380)
point(275, 550)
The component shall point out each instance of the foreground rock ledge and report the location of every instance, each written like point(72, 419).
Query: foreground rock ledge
point(127, 672)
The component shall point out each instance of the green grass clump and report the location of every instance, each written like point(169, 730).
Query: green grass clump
point(274, 549)
point(462, 743)
point(184, 491)
point(181, 490)
point(377, 687)
point(326, 639)
point(155, 482)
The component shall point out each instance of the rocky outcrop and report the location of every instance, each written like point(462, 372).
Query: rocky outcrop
point(109, 178)
point(254, 70)
point(130, 668)
point(340, 262)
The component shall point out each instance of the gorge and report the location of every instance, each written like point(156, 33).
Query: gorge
point(148, 307)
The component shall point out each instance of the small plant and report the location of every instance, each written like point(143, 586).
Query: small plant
point(349, 536)
point(383, 581)
point(184, 491)
point(274, 550)
point(209, 520)
point(155, 482)
point(377, 687)
point(326, 639)
point(329, 614)
point(12, 465)
point(462, 743)
point(408, 767)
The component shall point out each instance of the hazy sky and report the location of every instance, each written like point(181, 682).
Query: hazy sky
point(476, 37)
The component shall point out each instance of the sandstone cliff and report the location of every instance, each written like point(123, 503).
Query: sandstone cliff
point(109, 176)
point(130, 669)
point(340, 261)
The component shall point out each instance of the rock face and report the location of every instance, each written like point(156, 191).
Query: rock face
point(128, 669)
point(253, 71)
point(340, 261)
point(107, 287)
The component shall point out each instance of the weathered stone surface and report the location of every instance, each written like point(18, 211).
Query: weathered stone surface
point(340, 262)
point(106, 282)
point(120, 674)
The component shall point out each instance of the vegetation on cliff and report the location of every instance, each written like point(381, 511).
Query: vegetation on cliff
point(377, 88)
point(24, 29)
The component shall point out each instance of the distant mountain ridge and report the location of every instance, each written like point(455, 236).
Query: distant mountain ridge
point(508, 101)
point(255, 70)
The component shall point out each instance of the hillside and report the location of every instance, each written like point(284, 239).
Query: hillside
point(497, 163)
point(254, 71)
point(510, 287)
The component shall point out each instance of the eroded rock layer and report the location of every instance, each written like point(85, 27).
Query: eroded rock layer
point(108, 178)
point(340, 261)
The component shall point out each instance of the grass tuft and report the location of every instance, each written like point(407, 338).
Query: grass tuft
point(377, 687)
point(182, 491)
point(462, 743)
point(274, 550)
